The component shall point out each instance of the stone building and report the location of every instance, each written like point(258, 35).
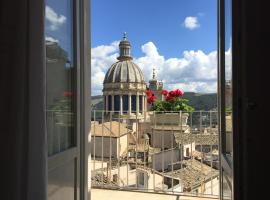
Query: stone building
point(156, 86)
point(124, 85)
point(109, 140)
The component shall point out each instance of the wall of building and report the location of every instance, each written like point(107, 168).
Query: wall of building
point(166, 157)
point(157, 138)
point(210, 187)
point(96, 165)
point(107, 144)
point(155, 181)
point(122, 144)
point(126, 176)
point(188, 148)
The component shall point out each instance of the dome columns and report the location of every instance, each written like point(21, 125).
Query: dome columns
point(134, 103)
point(121, 104)
point(129, 104)
point(137, 104)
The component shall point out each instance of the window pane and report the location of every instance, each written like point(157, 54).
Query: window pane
point(228, 81)
point(226, 187)
point(60, 72)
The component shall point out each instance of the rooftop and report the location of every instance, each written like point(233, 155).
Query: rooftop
point(193, 173)
point(203, 139)
point(109, 129)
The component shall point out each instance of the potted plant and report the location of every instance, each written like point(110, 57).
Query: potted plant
point(62, 109)
point(172, 110)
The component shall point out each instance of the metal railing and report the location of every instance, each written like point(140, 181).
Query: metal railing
point(164, 152)
point(60, 130)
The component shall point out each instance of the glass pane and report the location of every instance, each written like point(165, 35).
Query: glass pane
point(228, 82)
point(226, 187)
point(60, 72)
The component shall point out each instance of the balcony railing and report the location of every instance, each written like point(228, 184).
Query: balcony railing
point(171, 153)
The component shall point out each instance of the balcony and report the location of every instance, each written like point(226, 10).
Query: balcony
point(172, 157)
point(105, 194)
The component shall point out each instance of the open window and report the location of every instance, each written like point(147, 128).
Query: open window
point(67, 100)
point(225, 99)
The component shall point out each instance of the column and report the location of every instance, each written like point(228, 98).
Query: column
point(144, 107)
point(137, 105)
point(121, 105)
point(112, 103)
point(143, 104)
point(107, 104)
point(129, 104)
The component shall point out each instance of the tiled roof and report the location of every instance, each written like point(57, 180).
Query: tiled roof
point(109, 129)
point(203, 139)
point(193, 173)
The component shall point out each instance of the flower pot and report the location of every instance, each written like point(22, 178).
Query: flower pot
point(166, 119)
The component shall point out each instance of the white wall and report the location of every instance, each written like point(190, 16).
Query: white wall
point(125, 175)
point(96, 164)
point(107, 144)
point(167, 158)
point(128, 177)
point(206, 188)
point(155, 181)
point(191, 147)
point(122, 144)
point(167, 136)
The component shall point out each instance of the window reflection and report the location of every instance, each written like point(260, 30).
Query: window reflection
point(60, 79)
point(226, 187)
point(228, 82)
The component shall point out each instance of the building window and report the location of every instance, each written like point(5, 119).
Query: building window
point(125, 103)
point(116, 102)
point(141, 179)
point(133, 103)
point(115, 178)
point(105, 103)
point(110, 102)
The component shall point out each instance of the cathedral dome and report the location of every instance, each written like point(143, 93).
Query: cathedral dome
point(125, 70)
point(124, 86)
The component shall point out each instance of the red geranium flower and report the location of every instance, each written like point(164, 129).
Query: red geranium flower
point(165, 92)
point(148, 93)
point(172, 93)
point(169, 98)
point(68, 94)
point(151, 99)
point(178, 93)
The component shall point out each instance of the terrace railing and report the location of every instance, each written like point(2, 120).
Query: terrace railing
point(160, 152)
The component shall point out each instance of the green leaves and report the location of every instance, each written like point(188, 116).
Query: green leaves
point(179, 104)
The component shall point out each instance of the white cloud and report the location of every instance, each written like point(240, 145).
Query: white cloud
point(191, 23)
point(51, 39)
point(194, 71)
point(55, 19)
point(102, 57)
point(228, 64)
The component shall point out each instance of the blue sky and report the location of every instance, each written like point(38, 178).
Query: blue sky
point(58, 24)
point(159, 21)
point(176, 37)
